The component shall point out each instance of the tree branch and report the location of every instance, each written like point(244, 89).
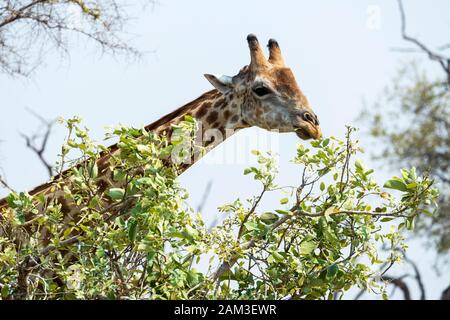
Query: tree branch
point(33, 25)
point(446, 294)
point(399, 283)
point(202, 203)
point(39, 150)
point(5, 184)
point(443, 61)
point(417, 276)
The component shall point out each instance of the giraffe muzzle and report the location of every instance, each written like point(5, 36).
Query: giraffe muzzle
point(309, 132)
point(308, 127)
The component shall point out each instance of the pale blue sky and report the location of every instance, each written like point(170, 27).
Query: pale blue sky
point(339, 54)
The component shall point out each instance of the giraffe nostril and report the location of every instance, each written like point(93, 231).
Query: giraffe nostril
point(309, 117)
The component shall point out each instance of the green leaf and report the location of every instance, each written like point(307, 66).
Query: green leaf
point(359, 166)
point(177, 234)
point(190, 232)
point(143, 148)
point(306, 247)
point(413, 173)
point(189, 119)
point(119, 175)
point(5, 291)
point(395, 184)
point(277, 256)
point(322, 186)
point(410, 224)
point(284, 200)
point(93, 172)
point(332, 271)
point(428, 213)
point(251, 226)
point(228, 275)
point(167, 151)
point(116, 193)
point(323, 172)
point(93, 203)
point(411, 185)
point(250, 170)
point(269, 218)
point(20, 216)
point(331, 210)
point(192, 277)
point(176, 140)
point(132, 230)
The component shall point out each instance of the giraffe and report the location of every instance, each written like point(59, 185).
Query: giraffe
point(264, 94)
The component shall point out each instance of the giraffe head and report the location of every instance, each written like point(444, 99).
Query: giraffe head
point(268, 94)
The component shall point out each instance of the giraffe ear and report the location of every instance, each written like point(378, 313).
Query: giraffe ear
point(220, 82)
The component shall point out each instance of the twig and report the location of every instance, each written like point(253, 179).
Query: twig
point(69, 241)
point(226, 265)
point(443, 61)
point(206, 193)
point(30, 141)
point(417, 276)
point(446, 294)
point(399, 283)
point(252, 210)
point(5, 184)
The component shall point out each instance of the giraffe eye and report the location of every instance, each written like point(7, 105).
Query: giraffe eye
point(261, 91)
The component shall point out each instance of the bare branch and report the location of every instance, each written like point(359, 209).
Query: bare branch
point(399, 283)
point(446, 294)
point(39, 149)
point(417, 276)
point(63, 243)
point(443, 61)
point(251, 211)
point(5, 184)
point(444, 47)
point(202, 203)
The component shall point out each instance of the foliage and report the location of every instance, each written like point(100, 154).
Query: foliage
point(420, 137)
point(141, 240)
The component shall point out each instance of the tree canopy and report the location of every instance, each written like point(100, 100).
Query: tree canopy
point(144, 241)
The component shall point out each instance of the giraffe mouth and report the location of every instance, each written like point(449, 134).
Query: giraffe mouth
point(302, 134)
point(306, 134)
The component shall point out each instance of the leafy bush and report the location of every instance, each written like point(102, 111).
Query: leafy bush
point(141, 240)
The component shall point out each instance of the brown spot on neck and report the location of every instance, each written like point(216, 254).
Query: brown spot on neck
point(212, 117)
point(227, 114)
point(203, 109)
point(234, 119)
point(220, 103)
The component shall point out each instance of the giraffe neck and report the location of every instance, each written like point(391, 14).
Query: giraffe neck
point(218, 117)
point(213, 110)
